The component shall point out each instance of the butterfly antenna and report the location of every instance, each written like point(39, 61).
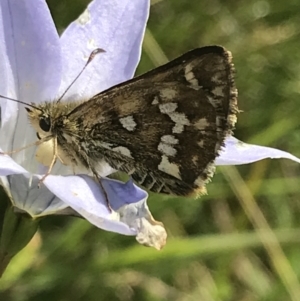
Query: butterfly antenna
point(91, 57)
point(19, 101)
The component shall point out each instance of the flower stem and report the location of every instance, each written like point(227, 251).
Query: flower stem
point(16, 230)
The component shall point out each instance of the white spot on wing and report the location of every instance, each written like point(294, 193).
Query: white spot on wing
point(128, 123)
point(195, 159)
point(169, 168)
point(123, 150)
point(168, 94)
point(201, 124)
point(217, 79)
point(177, 128)
point(166, 145)
point(167, 149)
point(167, 108)
point(218, 91)
point(190, 76)
point(201, 143)
point(170, 139)
point(155, 101)
point(214, 102)
point(179, 118)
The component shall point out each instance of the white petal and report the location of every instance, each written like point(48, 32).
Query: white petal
point(35, 61)
point(8, 166)
point(36, 201)
point(34, 50)
point(8, 109)
point(237, 152)
point(86, 197)
point(113, 25)
point(150, 232)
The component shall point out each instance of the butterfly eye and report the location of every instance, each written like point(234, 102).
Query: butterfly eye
point(45, 124)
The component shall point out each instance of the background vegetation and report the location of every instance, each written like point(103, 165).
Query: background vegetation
point(241, 241)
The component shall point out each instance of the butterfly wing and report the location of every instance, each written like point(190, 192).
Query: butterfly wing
point(166, 127)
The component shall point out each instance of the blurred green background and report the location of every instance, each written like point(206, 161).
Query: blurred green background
point(241, 241)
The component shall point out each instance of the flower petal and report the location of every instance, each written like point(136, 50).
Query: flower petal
point(29, 197)
point(237, 152)
point(34, 56)
point(150, 232)
point(24, 190)
point(115, 26)
point(34, 50)
point(8, 109)
point(86, 197)
point(124, 193)
point(9, 167)
point(135, 213)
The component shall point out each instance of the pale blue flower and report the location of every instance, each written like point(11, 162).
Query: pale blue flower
point(237, 152)
point(37, 65)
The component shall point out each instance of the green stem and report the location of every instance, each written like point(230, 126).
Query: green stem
point(16, 232)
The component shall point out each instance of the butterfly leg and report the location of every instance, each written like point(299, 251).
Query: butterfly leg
point(97, 177)
point(36, 143)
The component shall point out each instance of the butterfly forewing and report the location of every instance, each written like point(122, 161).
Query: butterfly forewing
point(164, 128)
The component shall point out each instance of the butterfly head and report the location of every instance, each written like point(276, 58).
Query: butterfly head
point(40, 119)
